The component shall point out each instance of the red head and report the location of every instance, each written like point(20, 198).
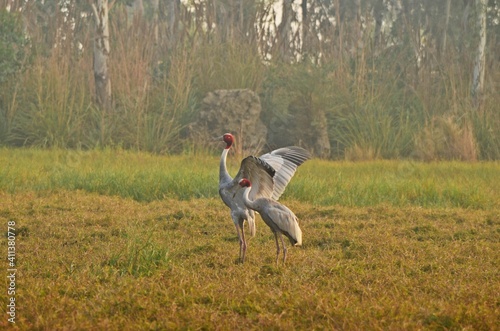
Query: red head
point(228, 139)
point(244, 182)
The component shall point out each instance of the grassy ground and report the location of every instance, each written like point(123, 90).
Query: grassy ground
point(121, 241)
point(144, 177)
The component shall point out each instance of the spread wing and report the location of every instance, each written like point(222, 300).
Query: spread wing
point(285, 162)
point(260, 174)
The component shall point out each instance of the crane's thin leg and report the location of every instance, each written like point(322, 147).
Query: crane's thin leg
point(284, 248)
point(277, 247)
point(243, 244)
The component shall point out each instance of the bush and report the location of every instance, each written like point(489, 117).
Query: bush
point(55, 106)
point(443, 138)
point(12, 59)
point(486, 127)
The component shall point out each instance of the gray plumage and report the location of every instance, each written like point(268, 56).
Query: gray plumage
point(280, 219)
point(285, 161)
point(270, 173)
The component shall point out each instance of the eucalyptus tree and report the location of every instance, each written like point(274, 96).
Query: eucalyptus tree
point(480, 60)
point(102, 51)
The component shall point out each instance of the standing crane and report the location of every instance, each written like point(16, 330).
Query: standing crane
point(270, 174)
point(278, 217)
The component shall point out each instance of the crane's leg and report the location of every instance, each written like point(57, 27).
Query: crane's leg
point(243, 244)
point(284, 248)
point(277, 247)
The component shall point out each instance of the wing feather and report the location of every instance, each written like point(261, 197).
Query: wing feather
point(285, 161)
point(260, 174)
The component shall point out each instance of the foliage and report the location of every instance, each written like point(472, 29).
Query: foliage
point(227, 65)
point(486, 133)
point(397, 90)
point(56, 109)
point(370, 132)
point(13, 57)
point(443, 138)
point(12, 45)
point(154, 101)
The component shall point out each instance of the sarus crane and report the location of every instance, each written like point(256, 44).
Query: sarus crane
point(270, 174)
point(278, 217)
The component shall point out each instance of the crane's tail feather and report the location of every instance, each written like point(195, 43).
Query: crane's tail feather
point(251, 226)
point(295, 237)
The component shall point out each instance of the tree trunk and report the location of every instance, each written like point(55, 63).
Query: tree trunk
point(338, 27)
point(172, 13)
point(445, 32)
point(480, 62)
point(304, 29)
point(378, 14)
point(284, 31)
point(241, 17)
point(139, 7)
point(101, 55)
point(155, 6)
point(322, 146)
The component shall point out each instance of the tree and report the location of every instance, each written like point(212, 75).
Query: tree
point(445, 32)
point(101, 53)
point(480, 61)
point(12, 58)
point(285, 31)
point(12, 42)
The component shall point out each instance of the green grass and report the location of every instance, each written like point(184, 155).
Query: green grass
point(398, 183)
point(140, 176)
point(120, 241)
point(146, 177)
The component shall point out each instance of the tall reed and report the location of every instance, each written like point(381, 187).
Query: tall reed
point(54, 106)
point(374, 102)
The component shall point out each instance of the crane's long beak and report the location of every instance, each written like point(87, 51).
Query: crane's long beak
point(219, 138)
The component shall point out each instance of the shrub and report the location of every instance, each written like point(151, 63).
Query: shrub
point(443, 138)
point(54, 105)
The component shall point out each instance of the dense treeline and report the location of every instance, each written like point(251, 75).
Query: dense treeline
point(377, 78)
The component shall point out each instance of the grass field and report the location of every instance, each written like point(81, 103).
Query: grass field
point(119, 240)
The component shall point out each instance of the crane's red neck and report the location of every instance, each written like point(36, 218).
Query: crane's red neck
point(228, 139)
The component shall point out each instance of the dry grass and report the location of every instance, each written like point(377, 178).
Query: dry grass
point(444, 139)
point(93, 262)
